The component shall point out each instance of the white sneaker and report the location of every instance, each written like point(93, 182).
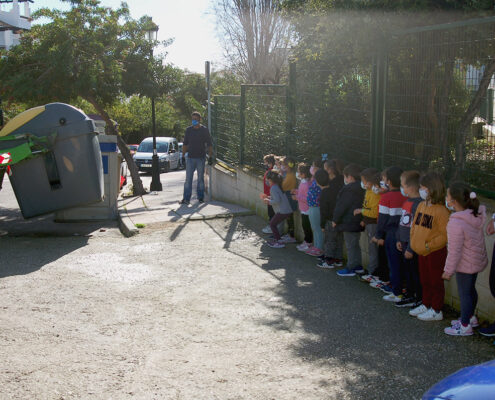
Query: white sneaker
point(392, 297)
point(288, 239)
point(303, 246)
point(473, 321)
point(267, 229)
point(418, 310)
point(431, 315)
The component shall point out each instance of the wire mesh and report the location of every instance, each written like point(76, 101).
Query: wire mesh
point(433, 76)
point(226, 128)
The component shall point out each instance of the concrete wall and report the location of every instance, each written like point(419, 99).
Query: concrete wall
point(240, 186)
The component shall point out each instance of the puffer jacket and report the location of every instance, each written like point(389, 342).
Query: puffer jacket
point(466, 242)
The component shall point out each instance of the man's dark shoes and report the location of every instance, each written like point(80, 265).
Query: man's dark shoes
point(201, 201)
point(183, 202)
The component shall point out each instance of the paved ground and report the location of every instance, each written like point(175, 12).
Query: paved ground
point(203, 310)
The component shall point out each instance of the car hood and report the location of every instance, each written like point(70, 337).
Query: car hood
point(141, 155)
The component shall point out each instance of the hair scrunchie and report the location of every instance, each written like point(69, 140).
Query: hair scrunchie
point(472, 195)
point(291, 164)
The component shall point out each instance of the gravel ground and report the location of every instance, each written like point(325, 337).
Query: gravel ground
point(205, 310)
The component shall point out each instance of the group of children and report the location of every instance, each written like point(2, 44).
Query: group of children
point(419, 232)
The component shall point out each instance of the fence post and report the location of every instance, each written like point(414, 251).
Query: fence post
point(489, 114)
point(242, 132)
point(291, 107)
point(379, 92)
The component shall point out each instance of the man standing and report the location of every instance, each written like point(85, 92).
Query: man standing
point(196, 141)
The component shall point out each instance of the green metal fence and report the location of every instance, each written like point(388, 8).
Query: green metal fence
point(404, 104)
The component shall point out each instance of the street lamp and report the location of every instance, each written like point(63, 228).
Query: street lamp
point(156, 185)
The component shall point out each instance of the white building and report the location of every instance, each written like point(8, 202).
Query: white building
point(12, 21)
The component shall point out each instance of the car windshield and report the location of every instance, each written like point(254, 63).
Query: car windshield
point(147, 147)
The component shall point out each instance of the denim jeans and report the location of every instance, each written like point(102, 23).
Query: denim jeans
point(194, 164)
point(466, 286)
point(314, 219)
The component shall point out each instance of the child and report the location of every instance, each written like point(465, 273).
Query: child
point(466, 255)
point(349, 198)
point(289, 183)
point(429, 240)
point(280, 205)
point(409, 181)
point(269, 162)
point(490, 230)
point(301, 195)
point(314, 192)
point(389, 212)
point(334, 239)
point(370, 178)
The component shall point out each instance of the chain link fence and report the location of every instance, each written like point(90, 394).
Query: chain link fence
point(404, 105)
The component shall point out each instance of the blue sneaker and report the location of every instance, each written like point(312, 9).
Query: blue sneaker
point(346, 272)
point(359, 270)
point(386, 289)
point(488, 331)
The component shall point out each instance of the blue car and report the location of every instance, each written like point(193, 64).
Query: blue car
point(471, 383)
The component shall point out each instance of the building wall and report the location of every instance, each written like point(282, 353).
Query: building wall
point(242, 187)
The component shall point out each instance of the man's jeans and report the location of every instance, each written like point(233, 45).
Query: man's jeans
point(194, 164)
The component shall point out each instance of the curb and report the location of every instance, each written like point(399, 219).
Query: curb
point(127, 228)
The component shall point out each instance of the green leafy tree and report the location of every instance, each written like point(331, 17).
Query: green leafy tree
point(91, 52)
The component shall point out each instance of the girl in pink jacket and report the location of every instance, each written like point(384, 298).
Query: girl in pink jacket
point(466, 252)
point(300, 194)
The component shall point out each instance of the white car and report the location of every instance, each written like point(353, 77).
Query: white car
point(167, 151)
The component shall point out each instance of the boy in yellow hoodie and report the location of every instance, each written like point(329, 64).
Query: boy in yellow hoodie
point(429, 241)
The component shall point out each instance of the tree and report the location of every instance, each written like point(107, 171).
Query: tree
point(256, 38)
point(90, 51)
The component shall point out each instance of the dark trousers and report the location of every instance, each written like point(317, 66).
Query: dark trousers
point(410, 271)
point(306, 225)
point(394, 263)
point(382, 271)
point(271, 213)
point(430, 273)
point(334, 242)
point(277, 219)
point(466, 285)
point(290, 223)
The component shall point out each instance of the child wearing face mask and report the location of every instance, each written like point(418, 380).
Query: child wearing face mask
point(301, 195)
point(429, 241)
point(389, 212)
point(289, 183)
point(466, 256)
point(313, 199)
point(344, 220)
point(409, 181)
point(370, 181)
point(269, 162)
point(334, 239)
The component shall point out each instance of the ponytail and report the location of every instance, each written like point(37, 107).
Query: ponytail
point(462, 193)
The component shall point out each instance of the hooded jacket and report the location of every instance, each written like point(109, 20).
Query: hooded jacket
point(466, 242)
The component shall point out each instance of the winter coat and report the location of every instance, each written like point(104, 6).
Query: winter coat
point(349, 198)
point(466, 242)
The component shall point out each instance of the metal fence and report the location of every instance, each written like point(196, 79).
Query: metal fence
point(406, 106)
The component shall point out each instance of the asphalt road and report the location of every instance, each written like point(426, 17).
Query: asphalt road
point(204, 310)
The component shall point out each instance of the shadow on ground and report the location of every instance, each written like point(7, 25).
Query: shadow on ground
point(348, 326)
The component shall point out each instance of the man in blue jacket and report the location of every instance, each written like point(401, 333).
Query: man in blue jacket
point(197, 141)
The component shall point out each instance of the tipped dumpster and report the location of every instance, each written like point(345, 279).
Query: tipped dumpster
point(54, 159)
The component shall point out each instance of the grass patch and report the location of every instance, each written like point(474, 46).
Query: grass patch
point(140, 226)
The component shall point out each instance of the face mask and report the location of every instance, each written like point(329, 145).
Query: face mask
point(195, 122)
point(362, 186)
point(403, 193)
point(283, 168)
point(450, 208)
point(383, 185)
point(375, 190)
point(312, 171)
point(297, 175)
point(423, 193)
point(345, 182)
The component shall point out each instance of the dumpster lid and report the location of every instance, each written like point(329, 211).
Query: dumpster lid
point(21, 119)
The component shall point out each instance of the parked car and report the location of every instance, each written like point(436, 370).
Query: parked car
point(123, 174)
point(167, 151)
point(471, 383)
point(133, 148)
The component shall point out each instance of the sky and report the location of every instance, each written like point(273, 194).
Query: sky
point(190, 22)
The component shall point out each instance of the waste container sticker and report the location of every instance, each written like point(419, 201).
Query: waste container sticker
point(5, 158)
